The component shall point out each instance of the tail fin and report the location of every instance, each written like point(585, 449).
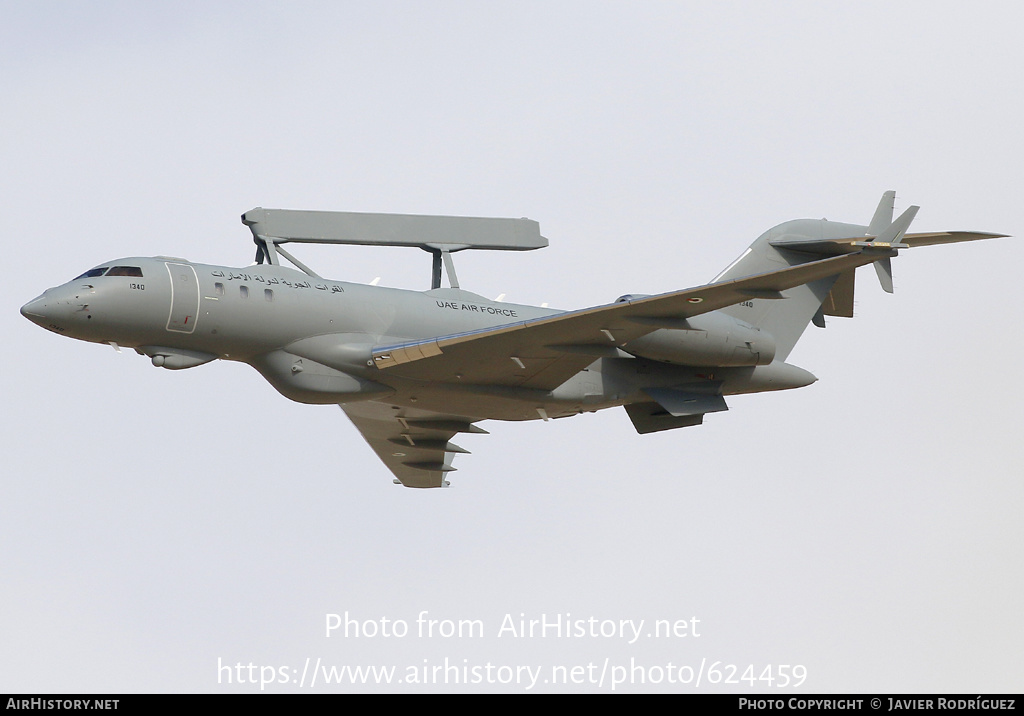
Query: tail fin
point(803, 240)
point(800, 241)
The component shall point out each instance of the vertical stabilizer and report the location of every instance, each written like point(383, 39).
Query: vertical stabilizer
point(803, 240)
point(786, 319)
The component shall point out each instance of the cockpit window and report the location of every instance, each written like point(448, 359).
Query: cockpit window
point(125, 271)
point(91, 273)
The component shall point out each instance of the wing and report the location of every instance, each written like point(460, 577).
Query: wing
point(413, 444)
point(543, 353)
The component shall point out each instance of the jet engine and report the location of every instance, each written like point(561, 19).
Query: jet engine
point(711, 339)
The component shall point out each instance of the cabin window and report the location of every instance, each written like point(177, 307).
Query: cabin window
point(268, 294)
point(243, 291)
point(218, 288)
point(126, 271)
point(92, 273)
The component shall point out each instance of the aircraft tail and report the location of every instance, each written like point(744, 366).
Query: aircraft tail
point(803, 240)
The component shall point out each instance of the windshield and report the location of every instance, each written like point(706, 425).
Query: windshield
point(116, 271)
point(125, 271)
point(91, 273)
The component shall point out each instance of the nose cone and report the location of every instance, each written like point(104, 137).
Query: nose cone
point(36, 311)
point(51, 311)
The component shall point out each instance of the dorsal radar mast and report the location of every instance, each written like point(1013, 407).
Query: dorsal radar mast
point(441, 236)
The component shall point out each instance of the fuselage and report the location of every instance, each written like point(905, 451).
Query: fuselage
point(243, 313)
point(312, 338)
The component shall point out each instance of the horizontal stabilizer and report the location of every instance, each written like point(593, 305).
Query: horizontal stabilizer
point(835, 247)
point(936, 238)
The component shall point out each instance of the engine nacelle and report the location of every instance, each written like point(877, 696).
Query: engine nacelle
point(713, 339)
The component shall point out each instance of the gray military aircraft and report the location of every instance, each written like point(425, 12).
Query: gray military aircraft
point(412, 369)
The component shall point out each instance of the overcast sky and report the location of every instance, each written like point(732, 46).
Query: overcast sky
point(155, 524)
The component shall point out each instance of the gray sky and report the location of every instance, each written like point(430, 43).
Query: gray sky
point(867, 527)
